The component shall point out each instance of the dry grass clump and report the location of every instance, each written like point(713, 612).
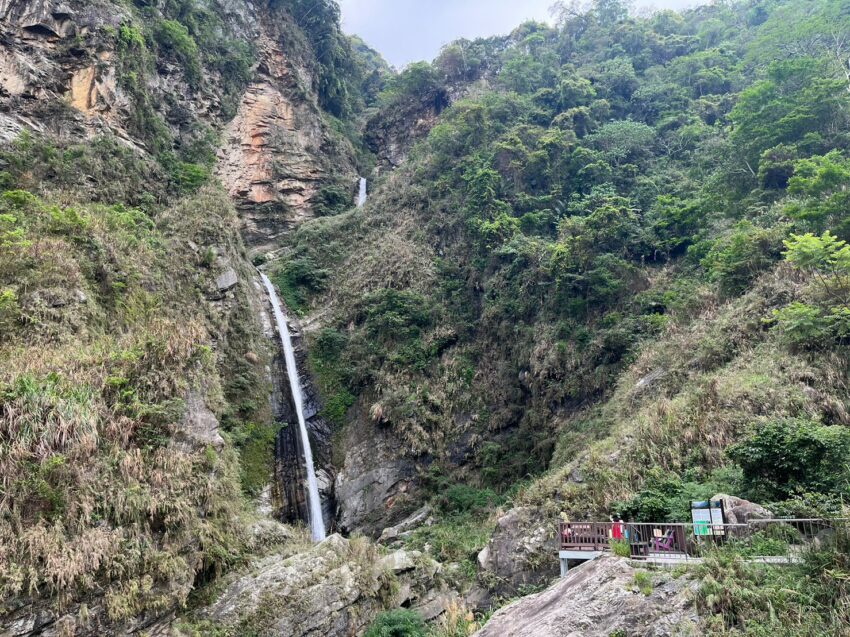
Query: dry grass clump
point(97, 504)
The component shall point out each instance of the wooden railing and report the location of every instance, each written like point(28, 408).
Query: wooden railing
point(775, 538)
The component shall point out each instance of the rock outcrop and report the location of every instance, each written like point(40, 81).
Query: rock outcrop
point(740, 511)
point(394, 130)
point(372, 484)
point(599, 599)
point(521, 552)
point(335, 589)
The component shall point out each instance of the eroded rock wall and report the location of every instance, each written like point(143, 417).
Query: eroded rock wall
point(280, 149)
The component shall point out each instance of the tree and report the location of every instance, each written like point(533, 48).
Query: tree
point(623, 141)
point(826, 258)
point(822, 182)
point(799, 103)
point(784, 457)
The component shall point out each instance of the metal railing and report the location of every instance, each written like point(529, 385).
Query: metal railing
point(779, 540)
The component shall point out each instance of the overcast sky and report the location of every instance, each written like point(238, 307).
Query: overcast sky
point(411, 30)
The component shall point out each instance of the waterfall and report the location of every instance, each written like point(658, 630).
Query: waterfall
point(317, 523)
point(361, 198)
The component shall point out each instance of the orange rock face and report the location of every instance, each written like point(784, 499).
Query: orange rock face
point(274, 156)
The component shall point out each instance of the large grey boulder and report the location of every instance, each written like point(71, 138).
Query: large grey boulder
point(740, 511)
point(521, 553)
point(599, 599)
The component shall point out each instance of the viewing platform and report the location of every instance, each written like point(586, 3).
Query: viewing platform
point(774, 541)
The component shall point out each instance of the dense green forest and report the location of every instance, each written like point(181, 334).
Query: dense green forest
point(619, 178)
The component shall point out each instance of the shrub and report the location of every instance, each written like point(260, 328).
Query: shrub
point(332, 199)
point(397, 623)
point(299, 278)
point(461, 498)
point(621, 548)
point(174, 37)
point(643, 582)
point(396, 315)
point(784, 457)
point(736, 261)
point(802, 325)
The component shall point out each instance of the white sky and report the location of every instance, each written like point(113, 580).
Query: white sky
point(407, 31)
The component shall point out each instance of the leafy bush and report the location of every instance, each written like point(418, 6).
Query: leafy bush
point(174, 37)
point(394, 315)
point(735, 261)
point(397, 623)
point(298, 279)
point(461, 498)
point(827, 260)
point(621, 548)
point(332, 199)
point(784, 457)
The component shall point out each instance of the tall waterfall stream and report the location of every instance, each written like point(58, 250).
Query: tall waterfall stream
point(361, 198)
point(317, 523)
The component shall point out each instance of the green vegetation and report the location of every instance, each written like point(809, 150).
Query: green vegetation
point(349, 73)
point(612, 278)
point(456, 622)
point(626, 187)
point(105, 342)
point(397, 623)
point(643, 582)
point(802, 600)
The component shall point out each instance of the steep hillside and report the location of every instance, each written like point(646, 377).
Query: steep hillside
point(600, 285)
point(140, 385)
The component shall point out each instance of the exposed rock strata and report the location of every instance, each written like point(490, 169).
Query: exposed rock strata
point(278, 150)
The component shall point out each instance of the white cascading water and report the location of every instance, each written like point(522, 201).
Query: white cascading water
point(317, 523)
point(361, 198)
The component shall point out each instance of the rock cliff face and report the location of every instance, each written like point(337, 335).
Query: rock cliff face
point(279, 149)
point(289, 495)
point(55, 55)
point(392, 132)
point(372, 483)
point(600, 599)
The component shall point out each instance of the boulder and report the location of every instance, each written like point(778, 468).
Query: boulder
point(599, 599)
point(739, 511)
point(227, 280)
point(199, 427)
point(419, 518)
point(522, 552)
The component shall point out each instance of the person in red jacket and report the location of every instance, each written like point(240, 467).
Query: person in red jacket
point(618, 529)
